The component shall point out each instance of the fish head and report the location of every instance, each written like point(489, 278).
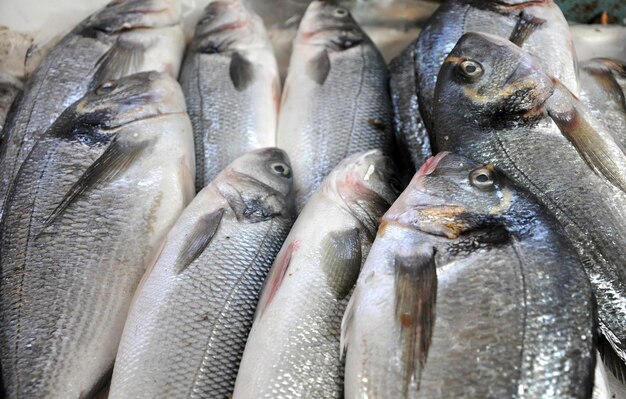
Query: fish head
point(119, 102)
point(259, 185)
point(123, 15)
point(451, 195)
point(327, 24)
point(493, 78)
point(367, 183)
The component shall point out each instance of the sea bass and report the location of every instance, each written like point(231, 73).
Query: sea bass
point(14, 49)
point(125, 37)
point(470, 290)
point(336, 98)
point(189, 321)
point(495, 104)
point(87, 213)
point(231, 84)
point(293, 347)
point(538, 26)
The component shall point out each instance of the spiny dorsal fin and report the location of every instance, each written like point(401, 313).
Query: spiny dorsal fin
point(115, 160)
point(341, 260)
point(318, 67)
point(526, 26)
point(415, 298)
point(241, 71)
point(202, 233)
point(123, 58)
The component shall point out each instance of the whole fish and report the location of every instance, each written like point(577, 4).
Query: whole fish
point(495, 104)
point(470, 290)
point(125, 37)
point(231, 84)
point(14, 49)
point(336, 98)
point(88, 211)
point(188, 324)
point(538, 26)
point(293, 347)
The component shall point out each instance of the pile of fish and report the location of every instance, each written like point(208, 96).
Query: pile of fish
point(208, 234)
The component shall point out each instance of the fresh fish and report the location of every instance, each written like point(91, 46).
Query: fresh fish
point(14, 49)
point(188, 324)
point(293, 347)
point(86, 214)
point(231, 84)
point(125, 37)
point(538, 26)
point(470, 290)
point(336, 97)
point(505, 113)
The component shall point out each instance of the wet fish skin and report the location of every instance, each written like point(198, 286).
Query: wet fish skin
point(196, 311)
point(77, 237)
point(550, 42)
point(232, 87)
point(336, 97)
point(123, 38)
point(523, 324)
point(293, 347)
point(527, 146)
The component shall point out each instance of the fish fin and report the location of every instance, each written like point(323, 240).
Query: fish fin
point(346, 323)
point(116, 159)
point(123, 58)
point(606, 80)
point(341, 260)
point(526, 25)
point(415, 298)
point(616, 66)
point(611, 359)
point(241, 71)
point(201, 234)
point(100, 385)
point(318, 67)
point(275, 278)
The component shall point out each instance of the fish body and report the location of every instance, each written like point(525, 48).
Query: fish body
point(538, 26)
point(470, 290)
point(336, 98)
point(189, 321)
point(510, 113)
point(88, 211)
point(14, 48)
point(232, 87)
point(123, 38)
point(293, 347)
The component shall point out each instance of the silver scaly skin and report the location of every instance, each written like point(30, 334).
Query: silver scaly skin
point(125, 37)
point(231, 84)
point(87, 213)
point(336, 97)
point(495, 104)
point(470, 290)
point(188, 324)
point(293, 347)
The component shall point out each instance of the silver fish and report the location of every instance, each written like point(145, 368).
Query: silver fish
point(293, 347)
point(470, 290)
point(125, 37)
point(336, 98)
point(87, 213)
point(511, 113)
point(231, 84)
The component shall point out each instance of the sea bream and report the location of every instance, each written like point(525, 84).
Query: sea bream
point(336, 97)
point(188, 324)
point(125, 37)
point(87, 213)
point(231, 84)
point(293, 347)
point(470, 290)
point(496, 104)
point(539, 27)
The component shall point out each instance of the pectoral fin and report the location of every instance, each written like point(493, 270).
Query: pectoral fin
point(318, 67)
point(200, 237)
point(415, 298)
point(241, 71)
point(341, 260)
point(123, 59)
point(526, 26)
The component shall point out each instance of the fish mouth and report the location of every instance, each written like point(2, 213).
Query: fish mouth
point(308, 35)
point(122, 16)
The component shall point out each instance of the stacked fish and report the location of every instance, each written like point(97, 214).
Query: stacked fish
point(217, 237)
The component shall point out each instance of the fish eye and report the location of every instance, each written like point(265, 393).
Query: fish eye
point(471, 69)
point(106, 87)
point(340, 12)
point(280, 169)
point(483, 178)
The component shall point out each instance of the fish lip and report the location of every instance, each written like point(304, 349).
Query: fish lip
point(120, 125)
point(308, 35)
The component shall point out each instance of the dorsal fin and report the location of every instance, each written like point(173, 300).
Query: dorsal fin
point(526, 26)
